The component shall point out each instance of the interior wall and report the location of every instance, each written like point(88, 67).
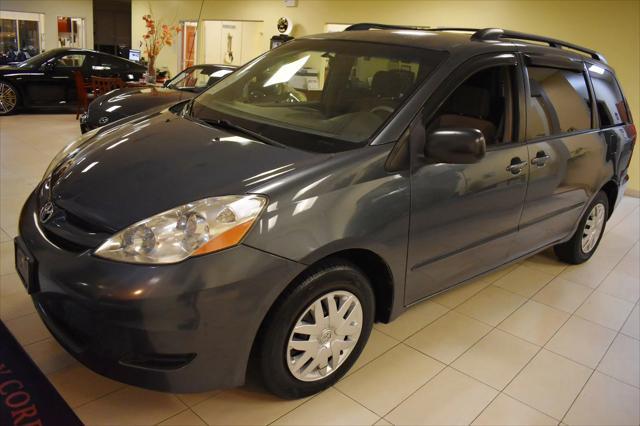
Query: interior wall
point(51, 10)
point(611, 27)
point(112, 22)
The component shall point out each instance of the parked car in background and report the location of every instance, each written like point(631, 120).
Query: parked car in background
point(46, 80)
point(255, 225)
point(121, 103)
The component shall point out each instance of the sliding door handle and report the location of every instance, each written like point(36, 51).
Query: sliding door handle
point(516, 166)
point(540, 159)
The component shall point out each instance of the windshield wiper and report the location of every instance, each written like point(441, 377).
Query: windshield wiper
point(226, 124)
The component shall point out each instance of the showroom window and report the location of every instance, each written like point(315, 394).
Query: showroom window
point(559, 102)
point(20, 35)
point(610, 103)
point(484, 101)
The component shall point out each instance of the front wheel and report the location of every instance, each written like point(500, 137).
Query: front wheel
point(8, 98)
point(587, 237)
point(317, 331)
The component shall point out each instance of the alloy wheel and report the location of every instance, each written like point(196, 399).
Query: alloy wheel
point(593, 228)
point(8, 98)
point(324, 336)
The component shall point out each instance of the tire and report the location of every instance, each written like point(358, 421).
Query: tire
point(9, 98)
point(590, 231)
point(286, 366)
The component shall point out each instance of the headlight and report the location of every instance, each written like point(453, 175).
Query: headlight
point(68, 151)
point(196, 228)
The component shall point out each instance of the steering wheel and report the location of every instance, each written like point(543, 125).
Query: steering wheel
point(381, 108)
point(255, 95)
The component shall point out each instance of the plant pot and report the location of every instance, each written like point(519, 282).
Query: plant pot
point(151, 71)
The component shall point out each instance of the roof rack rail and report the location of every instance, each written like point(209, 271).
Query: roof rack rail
point(495, 34)
point(461, 29)
point(364, 26)
point(486, 34)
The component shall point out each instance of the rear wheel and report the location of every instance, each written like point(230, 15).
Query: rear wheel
point(8, 98)
point(587, 237)
point(317, 331)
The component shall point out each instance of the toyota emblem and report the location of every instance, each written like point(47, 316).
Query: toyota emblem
point(46, 212)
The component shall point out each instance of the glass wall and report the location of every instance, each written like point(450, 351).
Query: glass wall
point(8, 35)
point(29, 36)
point(20, 36)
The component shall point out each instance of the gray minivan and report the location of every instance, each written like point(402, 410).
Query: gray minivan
point(275, 217)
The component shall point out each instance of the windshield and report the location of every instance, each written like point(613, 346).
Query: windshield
point(37, 60)
point(197, 79)
point(327, 92)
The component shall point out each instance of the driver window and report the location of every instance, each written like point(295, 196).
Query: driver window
point(485, 101)
point(70, 61)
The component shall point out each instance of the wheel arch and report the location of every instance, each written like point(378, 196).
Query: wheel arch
point(371, 264)
point(18, 88)
point(611, 191)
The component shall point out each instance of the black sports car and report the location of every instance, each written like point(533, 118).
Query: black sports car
point(125, 102)
point(46, 80)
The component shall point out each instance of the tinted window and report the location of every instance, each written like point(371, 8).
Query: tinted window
point(558, 102)
point(74, 60)
point(108, 63)
point(485, 101)
point(611, 107)
point(198, 78)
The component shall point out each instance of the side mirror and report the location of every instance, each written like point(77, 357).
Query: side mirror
point(49, 66)
point(455, 146)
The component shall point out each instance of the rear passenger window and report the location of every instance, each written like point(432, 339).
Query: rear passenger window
point(558, 103)
point(109, 64)
point(609, 100)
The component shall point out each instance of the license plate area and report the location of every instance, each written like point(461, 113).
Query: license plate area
point(26, 266)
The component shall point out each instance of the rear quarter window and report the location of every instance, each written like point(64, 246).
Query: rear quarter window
point(558, 102)
point(609, 100)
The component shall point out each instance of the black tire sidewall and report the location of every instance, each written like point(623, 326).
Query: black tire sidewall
point(273, 365)
point(15, 108)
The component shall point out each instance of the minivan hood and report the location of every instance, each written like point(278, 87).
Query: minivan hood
point(157, 162)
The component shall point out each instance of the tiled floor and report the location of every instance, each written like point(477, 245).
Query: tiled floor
point(535, 343)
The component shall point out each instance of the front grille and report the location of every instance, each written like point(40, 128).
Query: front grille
point(64, 243)
point(80, 223)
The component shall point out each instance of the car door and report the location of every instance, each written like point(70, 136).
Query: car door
point(566, 152)
point(56, 85)
point(465, 216)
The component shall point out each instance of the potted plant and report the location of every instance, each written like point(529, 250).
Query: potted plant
point(154, 40)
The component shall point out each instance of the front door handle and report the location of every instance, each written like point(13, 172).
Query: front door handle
point(516, 166)
point(540, 159)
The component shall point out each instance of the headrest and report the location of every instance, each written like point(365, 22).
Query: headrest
point(392, 84)
point(470, 101)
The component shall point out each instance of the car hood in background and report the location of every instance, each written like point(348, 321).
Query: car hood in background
point(160, 161)
point(124, 102)
point(12, 69)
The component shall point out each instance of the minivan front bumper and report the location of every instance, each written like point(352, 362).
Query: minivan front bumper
point(185, 327)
